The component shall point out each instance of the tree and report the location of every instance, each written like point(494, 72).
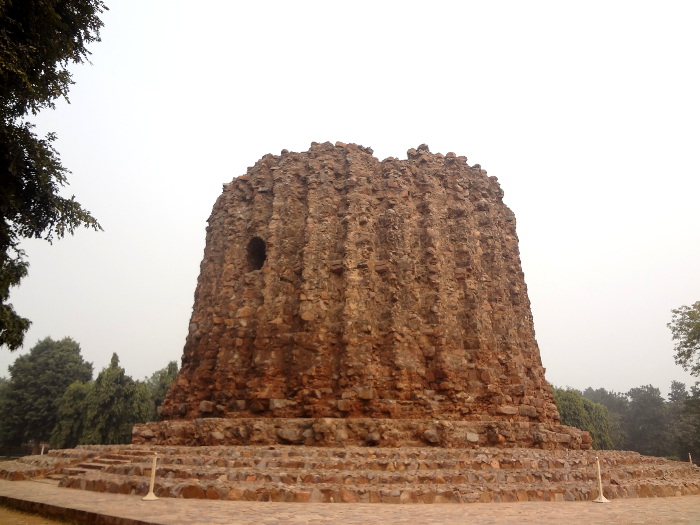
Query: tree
point(71, 407)
point(4, 389)
point(113, 405)
point(678, 392)
point(37, 379)
point(618, 410)
point(105, 410)
point(685, 331)
point(577, 411)
point(691, 412)
point(38, 40)
point(158, 385)
point(684, 420)
point(648, 422)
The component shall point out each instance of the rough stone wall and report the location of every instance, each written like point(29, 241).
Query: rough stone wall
point(357, 431)
point(336, 285)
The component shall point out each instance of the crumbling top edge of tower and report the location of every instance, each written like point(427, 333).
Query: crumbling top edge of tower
point(420, 154)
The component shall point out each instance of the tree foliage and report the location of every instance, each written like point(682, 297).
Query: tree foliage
point(647, 421)
point(113, 405)
point(641, 420)
point(158, 385)
point(37, 380)
point(577, 411)
point(51, 397)
point(683, 417)
point(685, 331)
point(70, 411)
point(688, 440)
point(38, 41)
point(104, 411)
point(617, 404)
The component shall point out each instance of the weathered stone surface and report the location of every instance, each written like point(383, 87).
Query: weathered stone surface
point(361, 431)
point(365, 474)
point(334, 285)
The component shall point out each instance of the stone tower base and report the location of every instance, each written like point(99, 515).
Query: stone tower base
point(334, 432)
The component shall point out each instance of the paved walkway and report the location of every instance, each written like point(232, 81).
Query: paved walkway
point(113, 509)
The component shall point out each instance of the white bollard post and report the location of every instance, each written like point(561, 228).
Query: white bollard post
point(151, 496)
point(600, 498)
point(690, 458)
point(42, 451)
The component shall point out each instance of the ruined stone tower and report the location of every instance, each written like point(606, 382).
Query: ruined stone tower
point(336, 289)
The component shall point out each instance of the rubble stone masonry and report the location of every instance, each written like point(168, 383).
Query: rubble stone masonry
point(335, 285)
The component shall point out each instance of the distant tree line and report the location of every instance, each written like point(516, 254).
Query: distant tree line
point(640, 420)
point(51, 397)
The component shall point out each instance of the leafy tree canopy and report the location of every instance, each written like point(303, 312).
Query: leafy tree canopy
point(685, 331)
point(618, 407)
point(648, 421)
point(38, 41)
point(113, 405)
point(577, 411)
point(616, 401)
point(37, 380)
point(678, 392)
point(104, 411)
point(158, 385)
point(70, 411)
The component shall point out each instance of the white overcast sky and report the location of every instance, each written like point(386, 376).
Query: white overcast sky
point(587, 112)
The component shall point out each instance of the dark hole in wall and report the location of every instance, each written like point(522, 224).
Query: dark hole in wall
point(257, 253)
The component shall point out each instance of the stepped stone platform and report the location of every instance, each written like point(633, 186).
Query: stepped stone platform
point(360, 474)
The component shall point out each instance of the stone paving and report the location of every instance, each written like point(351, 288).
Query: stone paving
point(100, 508)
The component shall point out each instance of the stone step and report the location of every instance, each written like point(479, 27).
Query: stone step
point(391, 460)
point(383, 464)
point(94, 465)
point(131, 453)
point(72, 453)
point(109, 459)
point(126, 457)
point(72, 471)
point(293, 475)
point(57, 476)
point(392, 493)
point(499, 458)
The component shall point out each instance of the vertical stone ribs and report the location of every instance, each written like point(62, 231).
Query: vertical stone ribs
point(336, 285)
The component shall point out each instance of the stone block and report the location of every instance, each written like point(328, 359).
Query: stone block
point(344, 405)
point(276, 404)
point(291, 435)
point(373, 438)
point(365, 392)
point(431, 436)
point(526, 410)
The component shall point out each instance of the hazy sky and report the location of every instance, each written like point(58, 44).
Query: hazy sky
point(588, 113)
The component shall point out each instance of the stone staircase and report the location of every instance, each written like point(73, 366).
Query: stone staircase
point(98, 462)
point(372, 475)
